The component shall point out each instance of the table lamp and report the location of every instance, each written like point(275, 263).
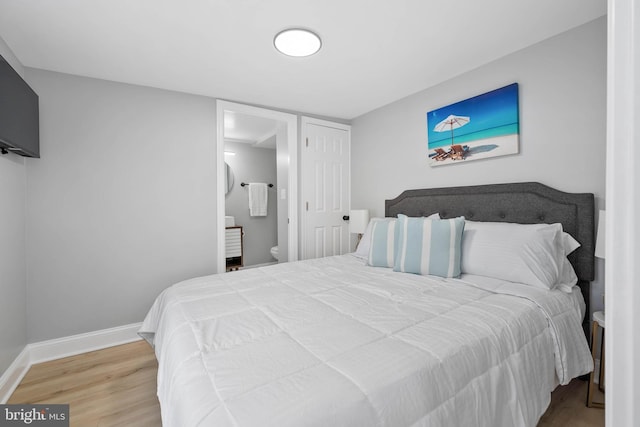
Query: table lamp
point(358, 221)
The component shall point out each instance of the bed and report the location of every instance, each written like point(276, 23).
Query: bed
point(334, 341)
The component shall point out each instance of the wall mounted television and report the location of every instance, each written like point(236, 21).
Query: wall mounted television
point(19, 115)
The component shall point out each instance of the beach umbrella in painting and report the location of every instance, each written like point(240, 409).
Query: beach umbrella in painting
point(450, 123)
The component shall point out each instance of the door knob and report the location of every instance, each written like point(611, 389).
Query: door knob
point(345, 217)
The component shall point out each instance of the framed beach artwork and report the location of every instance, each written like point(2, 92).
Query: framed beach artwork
point(484, 126)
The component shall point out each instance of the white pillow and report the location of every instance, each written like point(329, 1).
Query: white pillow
point(362, 251)
point(533, 254)
point(570, 244)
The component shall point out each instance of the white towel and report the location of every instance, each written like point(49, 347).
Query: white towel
point(257, 199)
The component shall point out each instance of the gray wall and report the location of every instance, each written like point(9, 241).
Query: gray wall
point(121, 204)
point(13, 279)
point(260, 233)
point(562, 127)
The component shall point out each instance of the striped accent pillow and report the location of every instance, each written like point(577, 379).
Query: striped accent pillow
point(382, 252)
point(427, 246)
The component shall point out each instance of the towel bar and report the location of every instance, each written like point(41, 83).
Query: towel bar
point(244, 184)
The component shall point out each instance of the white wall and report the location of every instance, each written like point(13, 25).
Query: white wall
point(562, 127)
point(13, 281)
point(251, 164)
point(121, 203)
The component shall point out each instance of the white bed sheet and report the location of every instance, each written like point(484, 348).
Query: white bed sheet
point(333, 342)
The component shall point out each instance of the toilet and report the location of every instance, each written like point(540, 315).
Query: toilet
point(274, 252)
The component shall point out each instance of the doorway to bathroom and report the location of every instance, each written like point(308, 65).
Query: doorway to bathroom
point(257, 186)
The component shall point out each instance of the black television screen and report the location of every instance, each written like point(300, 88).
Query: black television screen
point(19, 117)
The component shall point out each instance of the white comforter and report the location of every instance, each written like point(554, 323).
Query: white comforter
point(332, 342)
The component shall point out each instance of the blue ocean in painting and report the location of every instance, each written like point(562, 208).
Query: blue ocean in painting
point(491, 114)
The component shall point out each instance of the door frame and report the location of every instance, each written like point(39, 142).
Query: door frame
point(622, 346)
point(291, 122)
point(304, 121)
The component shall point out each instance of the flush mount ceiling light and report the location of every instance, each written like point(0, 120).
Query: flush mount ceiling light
point(297, 42)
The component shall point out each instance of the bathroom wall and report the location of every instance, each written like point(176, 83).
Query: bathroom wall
point(260, 233)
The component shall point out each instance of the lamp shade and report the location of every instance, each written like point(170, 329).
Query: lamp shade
point(358, 220)
point(600, 238)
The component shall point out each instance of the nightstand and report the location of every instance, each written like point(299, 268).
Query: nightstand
point(598, 322)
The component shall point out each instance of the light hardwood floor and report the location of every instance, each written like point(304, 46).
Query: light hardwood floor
point(111, 387)
point(117, 387)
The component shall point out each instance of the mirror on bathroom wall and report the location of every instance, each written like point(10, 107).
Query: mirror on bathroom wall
point(228, 178)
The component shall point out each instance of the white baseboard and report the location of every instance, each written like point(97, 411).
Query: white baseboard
point(14, 374)
point(45, 351)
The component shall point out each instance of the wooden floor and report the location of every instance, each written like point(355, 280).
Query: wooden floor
point(111, 387)
point(568, 407)
point(117, 387)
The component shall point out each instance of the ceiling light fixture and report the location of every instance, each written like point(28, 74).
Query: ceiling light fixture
point(297, 42)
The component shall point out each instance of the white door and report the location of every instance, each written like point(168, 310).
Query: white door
point(325, 171)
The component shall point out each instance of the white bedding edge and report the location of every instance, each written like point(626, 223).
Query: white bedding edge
point(573, 357)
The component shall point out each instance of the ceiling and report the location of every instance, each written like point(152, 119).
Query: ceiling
point(374, 52)
point(256, 131)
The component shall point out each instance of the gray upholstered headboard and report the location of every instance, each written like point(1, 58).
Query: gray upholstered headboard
point(525, 203)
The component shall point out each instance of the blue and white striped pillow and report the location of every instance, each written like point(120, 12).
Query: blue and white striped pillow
point(427, 246)
point(381, 252)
